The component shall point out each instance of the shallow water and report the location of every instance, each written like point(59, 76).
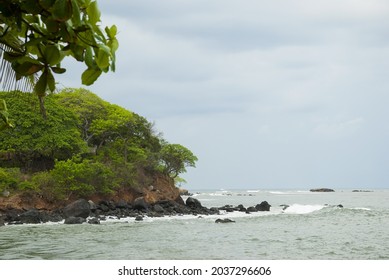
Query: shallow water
point(313, 227)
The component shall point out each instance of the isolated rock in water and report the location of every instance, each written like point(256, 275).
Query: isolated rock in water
point(263, 206)
point(2, 221)
point(340, 205)
point(223, 221)
point(139, 218)
point(322, 190)
point(74, 220)
point(140, 204)
point(284, 206)
point(193, 203)
point(79, 208)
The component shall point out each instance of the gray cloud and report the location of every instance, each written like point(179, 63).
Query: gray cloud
point(266, 93)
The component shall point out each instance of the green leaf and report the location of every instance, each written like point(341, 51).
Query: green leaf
point(52, 55)
point(102, 59)
point(76, 18)
point(78, 52)
point(41, 85)
point(93, 13)
point(89, 57)
point(58, 70)
point(62, 10)
point(50, 80)
point(111, 32)
point(27, 68)
point(90, 75)
point(52, 25)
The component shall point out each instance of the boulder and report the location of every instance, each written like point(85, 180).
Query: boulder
point(94, 221)
point(74, 220)
point(31, 217)
point(2, 222)
point(158, 208)
point(321, 190)
point(122, 204)
point(251, 209)
point(263, 206)
point(92, 205)
point(139, 218)
point(193, 203)
point(140, 204)
point(79, 208)
point(223, 221)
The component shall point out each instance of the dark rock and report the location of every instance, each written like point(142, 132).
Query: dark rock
point(2, 221)
point(340, 205)
point(140, 204)
point(138, 218)
point(251, 209)
point(79, 208)
point(103, 207)
point(241, 208)
point(223, 221)
point(193, 203)
point(74, 220)
point(158, 208)
point(122, 204)
point(322, 190)
point(94, 221)
point(30, 217)
point(284, 206)
point(263, 206)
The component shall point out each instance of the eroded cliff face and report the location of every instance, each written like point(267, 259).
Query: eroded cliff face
point(161, 189)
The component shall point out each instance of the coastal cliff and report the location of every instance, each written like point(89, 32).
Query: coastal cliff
point(161, 189)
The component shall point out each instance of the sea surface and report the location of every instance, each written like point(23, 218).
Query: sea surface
point(312, 227)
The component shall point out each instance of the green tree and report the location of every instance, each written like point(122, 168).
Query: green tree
point(35, 36)
point(35, 143)
point(175, 158)
point(88, 108)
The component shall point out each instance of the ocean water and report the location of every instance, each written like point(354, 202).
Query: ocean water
point(312, 227)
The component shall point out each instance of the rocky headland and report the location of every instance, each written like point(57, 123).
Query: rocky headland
point(160, 199)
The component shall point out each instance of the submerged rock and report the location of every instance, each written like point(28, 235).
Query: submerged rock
point(223, 221)
point(321, 190)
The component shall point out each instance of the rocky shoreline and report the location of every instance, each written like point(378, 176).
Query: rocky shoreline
point(83, 211)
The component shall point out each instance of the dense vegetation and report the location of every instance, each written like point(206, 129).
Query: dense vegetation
point(85, 146)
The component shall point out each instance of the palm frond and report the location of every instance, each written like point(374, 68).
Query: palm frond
point(8, 78)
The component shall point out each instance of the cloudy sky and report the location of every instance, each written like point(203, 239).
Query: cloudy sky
point(267, 93)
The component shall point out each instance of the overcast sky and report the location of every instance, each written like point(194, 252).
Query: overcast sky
point(267, 93)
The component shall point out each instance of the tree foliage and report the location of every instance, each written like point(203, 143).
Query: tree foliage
point(35, 37)
point(175, 158)
point(85, 146)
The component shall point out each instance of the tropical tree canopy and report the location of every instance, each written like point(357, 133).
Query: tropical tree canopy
point(35, 36)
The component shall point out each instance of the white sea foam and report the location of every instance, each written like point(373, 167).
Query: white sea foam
point(303, 209)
